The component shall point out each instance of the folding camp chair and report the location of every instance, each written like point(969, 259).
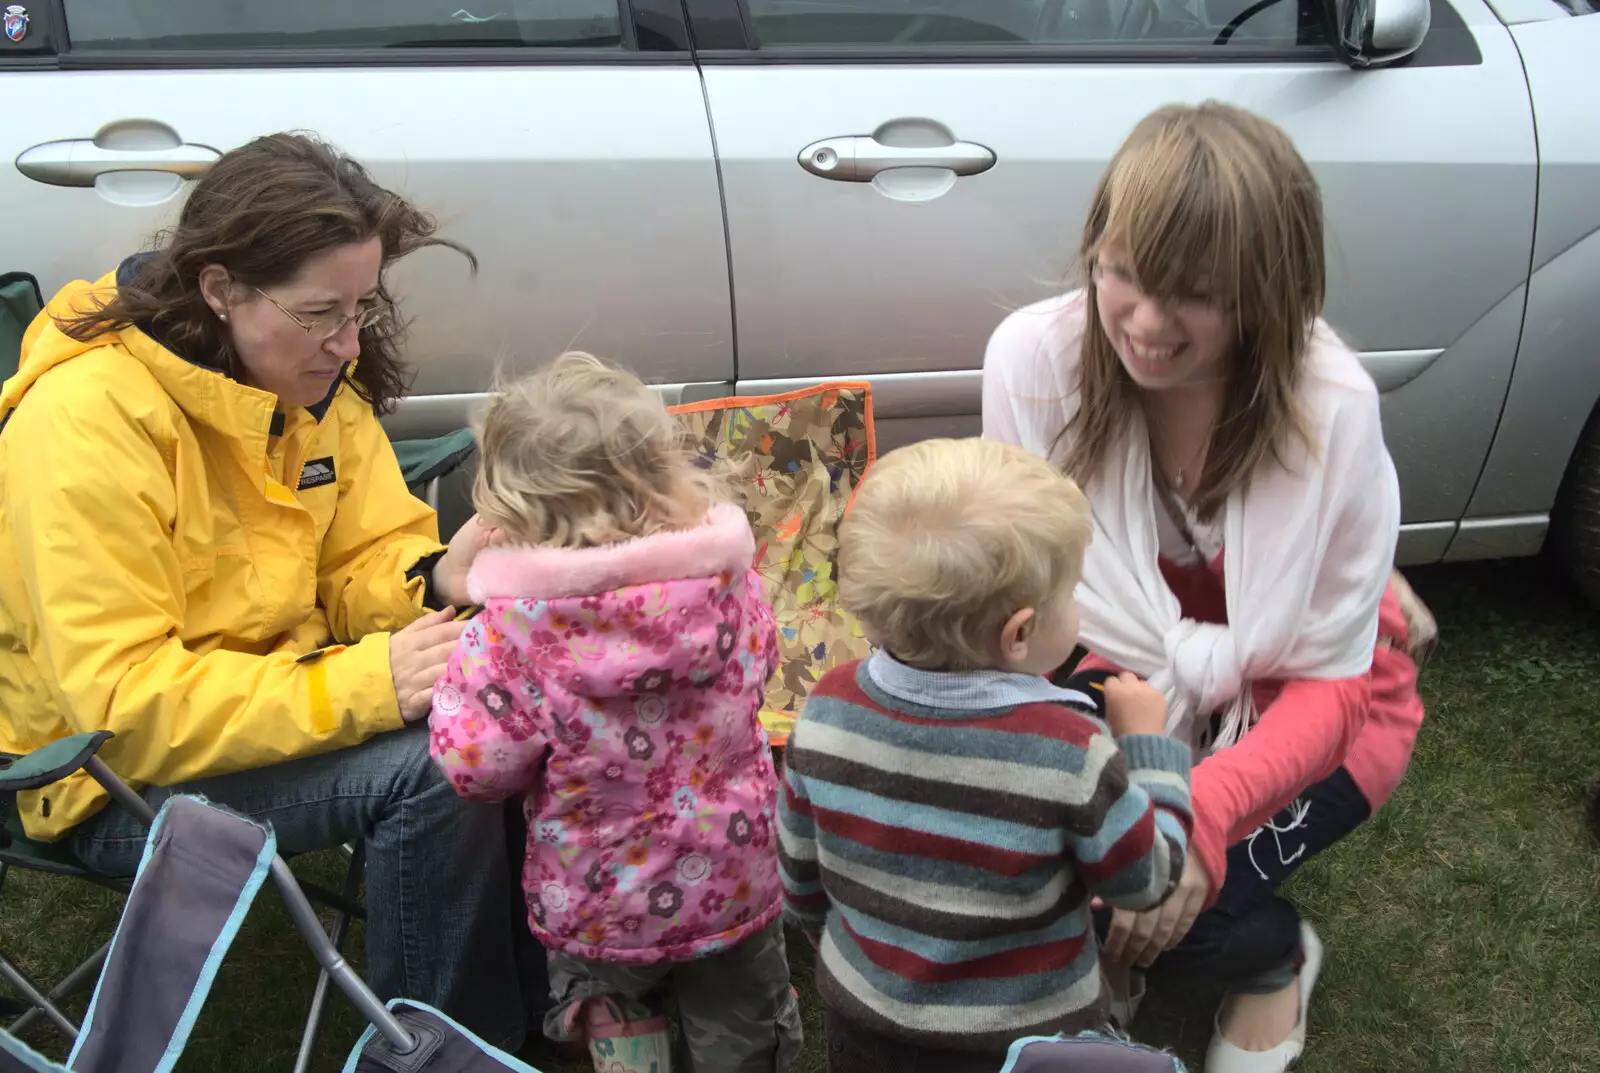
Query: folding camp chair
point(18, 851)
point(201, 870)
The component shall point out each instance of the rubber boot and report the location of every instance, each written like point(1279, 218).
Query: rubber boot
point(617, 1045)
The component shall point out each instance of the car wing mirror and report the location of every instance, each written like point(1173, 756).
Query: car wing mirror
point(1376, 33)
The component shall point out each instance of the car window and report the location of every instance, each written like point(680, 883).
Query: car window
point(252, 24)
point(920, 23)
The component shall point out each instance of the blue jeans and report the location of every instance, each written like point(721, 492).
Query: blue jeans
point(1249, 940)
point(439, 921)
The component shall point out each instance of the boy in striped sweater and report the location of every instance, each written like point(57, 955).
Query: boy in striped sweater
point(948, 814)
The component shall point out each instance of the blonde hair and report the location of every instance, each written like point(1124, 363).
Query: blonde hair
point(581, 454)
point(949, 538)
point(1215, 193)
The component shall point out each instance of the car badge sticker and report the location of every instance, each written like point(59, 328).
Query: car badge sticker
point(16, 22)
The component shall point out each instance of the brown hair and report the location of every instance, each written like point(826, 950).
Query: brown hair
point(949, 539)
point(261, 212)
point(1215, 193)
point(581, 454)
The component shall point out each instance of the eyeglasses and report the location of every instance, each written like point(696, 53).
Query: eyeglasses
point(327, 325)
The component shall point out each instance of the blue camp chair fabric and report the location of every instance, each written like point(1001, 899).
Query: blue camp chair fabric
point(1087, 1052)
point(202, 869)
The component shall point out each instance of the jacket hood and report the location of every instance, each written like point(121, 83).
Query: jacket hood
point(650, 616)
point(204, 394)
point(723, 543)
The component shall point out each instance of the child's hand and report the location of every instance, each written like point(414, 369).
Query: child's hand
point(1134, 706)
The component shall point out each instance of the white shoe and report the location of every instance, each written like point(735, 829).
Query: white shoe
point(1224, 1057)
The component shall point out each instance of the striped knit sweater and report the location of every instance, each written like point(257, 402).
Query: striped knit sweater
point(946, 832)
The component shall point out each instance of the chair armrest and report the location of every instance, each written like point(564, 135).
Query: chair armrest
point(50, 763)
point(424, 461)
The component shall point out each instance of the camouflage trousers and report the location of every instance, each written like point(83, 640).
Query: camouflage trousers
point(736, 1009)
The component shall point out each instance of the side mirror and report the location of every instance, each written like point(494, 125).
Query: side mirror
point(1375, 33)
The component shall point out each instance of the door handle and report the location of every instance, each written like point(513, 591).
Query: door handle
point(859, 158)
point(79, 161)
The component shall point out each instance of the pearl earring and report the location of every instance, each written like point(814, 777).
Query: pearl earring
point(223, 317)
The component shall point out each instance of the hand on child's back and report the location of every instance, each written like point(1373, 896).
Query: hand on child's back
point(1134, 706)
point(417, 658)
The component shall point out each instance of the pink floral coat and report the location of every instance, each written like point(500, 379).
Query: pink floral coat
point(618, 689)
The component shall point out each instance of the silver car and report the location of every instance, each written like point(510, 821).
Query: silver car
point(750, 195)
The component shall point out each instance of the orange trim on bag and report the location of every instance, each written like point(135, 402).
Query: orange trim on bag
point(731, 401)
point(738, 402)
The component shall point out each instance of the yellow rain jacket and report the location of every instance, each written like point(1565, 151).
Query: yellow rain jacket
point(173, 572)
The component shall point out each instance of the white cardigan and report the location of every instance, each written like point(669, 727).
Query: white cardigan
point(1307, 547)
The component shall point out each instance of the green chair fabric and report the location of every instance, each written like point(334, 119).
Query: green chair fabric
point(19, 851)
point(20, 302)
point(51, 763)
point(426, 460)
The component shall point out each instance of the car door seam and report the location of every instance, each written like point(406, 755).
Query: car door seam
point(722, 201)
point(1527, 289)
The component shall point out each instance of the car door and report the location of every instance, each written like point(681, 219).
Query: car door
point(900, 173)
point(565, 142)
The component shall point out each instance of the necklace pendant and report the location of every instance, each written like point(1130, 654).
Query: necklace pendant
point(1177, 478)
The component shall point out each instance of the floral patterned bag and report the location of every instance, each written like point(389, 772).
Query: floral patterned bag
point(798, 458)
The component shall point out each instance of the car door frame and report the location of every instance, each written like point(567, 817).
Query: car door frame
point(941, 402)
point(654, 33)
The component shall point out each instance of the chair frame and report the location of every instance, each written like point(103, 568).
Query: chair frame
point(326, 943)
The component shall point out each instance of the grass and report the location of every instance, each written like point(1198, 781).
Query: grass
point(1462, 923)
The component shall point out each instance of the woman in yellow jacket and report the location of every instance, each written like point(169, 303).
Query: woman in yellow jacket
point(207, 547)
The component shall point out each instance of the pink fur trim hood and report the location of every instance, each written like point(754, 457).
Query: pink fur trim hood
point(724, 543)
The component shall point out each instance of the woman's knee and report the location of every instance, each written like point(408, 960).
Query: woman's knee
point(397, 762)
point(424, 788)
point(1229, 945)
point(415, 772)
point(397, 766)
